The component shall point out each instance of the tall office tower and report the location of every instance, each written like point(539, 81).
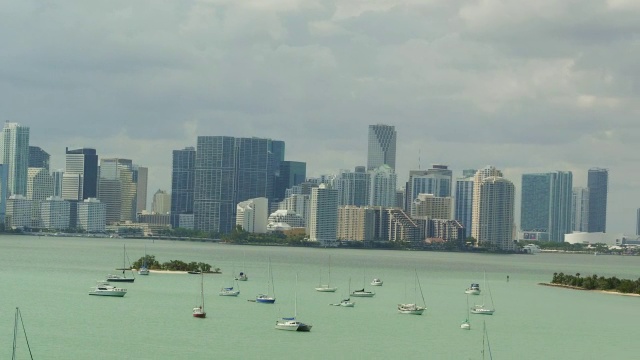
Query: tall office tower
point(161, 203)
point(546, 205)
point(183, 168)
point(598, 184)
point(230, 170)
point(580, 209)
point(252, 215)
point(356, 223)
point(57, 182)
point(38, 158)
point(140, 177)
point(353, 188)
point(496, 200)
point(382, 187)
point(80, 179)
point(480, 175)
point(39, 188)
point(323, 217)
point(91, 215)
point(427, 206)
point(3, 191)
point(436, 181)
point(55, 213)
point(291, 173)
point(14, 154)
point(382, 146)
point(117, 189)
point(464, 201)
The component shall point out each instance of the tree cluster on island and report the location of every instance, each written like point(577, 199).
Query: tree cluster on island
point(595, 282)
point(174, 265)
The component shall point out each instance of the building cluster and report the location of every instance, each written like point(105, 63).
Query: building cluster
point(225, 182)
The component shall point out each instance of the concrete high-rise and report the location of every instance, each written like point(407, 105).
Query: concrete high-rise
point(117, 189)
point(598, 184)
point(546, 204)
point(353, 187)
point(140, 178)
point(38, 158)
point(382, 146)
point(183, 167)
point(382, 187)
point(252, 215)
point(3, 191)
point(479, 176)
point(436, 181)
point(230, 170)
point(14, 154)
point(39, 188)
point(495, 217)
point(161, 203)
point(580, 209)
point(464, 201)
point(80, 179)
point(323, 217)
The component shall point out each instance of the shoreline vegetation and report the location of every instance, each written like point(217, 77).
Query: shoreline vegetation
point(611, 285)
point(174, 266)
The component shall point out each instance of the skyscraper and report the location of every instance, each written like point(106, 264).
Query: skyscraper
point(382, 187)
point(464, 200)
point(38, 158)
point(291, 173)
point(117, 189)
point(382, 146)
point(580, 209)
point(323, 217)
point(546, 204)
point(14, 154)
point(161, 203)
point(182, 183)
point(436, 181)
point(353, 187)
point(598, 184)
point(80, 179)
point(227, 171)
point(140, 176)
point(480, 175)
point(495, 218)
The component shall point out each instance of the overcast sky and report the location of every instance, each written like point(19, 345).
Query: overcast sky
point(526, 86)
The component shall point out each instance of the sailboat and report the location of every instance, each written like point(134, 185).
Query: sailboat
point(466, 324)
point(229, 290)
point(326, 287)
point(123, 277)
point(198, 311)
point(18, 320)
point(143, 269)
point(362, 292)
point(292, 323)
point(269, 297)
point(414, 308)
point(482, 309)
point(347, 301)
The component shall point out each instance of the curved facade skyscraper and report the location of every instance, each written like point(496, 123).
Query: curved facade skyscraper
point(382, 146)
point(598, 184)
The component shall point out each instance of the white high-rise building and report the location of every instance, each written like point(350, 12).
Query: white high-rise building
point(39, 188)
point(287, 217)
point(382, 187)
point(18, 212)
point(252, 215)
point(382, 146)
point(161, 203)
point(297, 203)
point(323, 217)
point(14, 154)
point(55, 213)
point(92, 215)
point(495, 220)
point(580, 209)
point(477, 182)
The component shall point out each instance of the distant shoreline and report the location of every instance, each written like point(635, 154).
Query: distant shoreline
point(179, 272)
point(579, 288)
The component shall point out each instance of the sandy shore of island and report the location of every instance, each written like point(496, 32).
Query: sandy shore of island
point(579, 288)
point(176, 272)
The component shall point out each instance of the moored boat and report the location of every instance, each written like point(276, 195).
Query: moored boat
point(106, 289)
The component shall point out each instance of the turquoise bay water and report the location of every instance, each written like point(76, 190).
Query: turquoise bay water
point(49, 279)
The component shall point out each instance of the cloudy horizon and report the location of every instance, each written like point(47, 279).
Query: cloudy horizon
point(524, 86)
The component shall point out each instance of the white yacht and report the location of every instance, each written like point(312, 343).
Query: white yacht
point(229, 291)
point(412, 309)
point(473, 289)
point(376, 282)
point(106, 289)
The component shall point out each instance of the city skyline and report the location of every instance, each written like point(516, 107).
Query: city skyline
point(557, 94)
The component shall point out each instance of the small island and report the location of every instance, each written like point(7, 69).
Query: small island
point(595, 282)
point(175, 265)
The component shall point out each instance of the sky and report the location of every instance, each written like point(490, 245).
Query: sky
point(526, 86)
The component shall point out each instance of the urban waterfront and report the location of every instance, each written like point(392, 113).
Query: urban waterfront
point(49, 279)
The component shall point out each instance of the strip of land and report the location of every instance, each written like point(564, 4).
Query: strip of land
point(579, 288)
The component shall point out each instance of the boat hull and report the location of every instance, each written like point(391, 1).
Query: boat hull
point(472, 292)
point(326, 289)
point(127, 280)
point(143, 272)
point(411, 309)
point(265, 300)
point(482, 311)
point(465, 326)
point(200, 315)
point(363, 294)
point(229, 293)
point(108, 293)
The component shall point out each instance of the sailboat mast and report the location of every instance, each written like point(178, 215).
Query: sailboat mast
point(15, 332)
point(420, 286)
point(202, 289)
point(295, 301)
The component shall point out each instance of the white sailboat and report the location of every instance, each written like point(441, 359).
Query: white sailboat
point(414, 308)
point(362, 292)
point(230, 290)
point(198, 311)
point(346, 302)
point(18, 322)
point(144, 270)
point(123, 277)
point(326, 287)
point(292, 323)
point(466, 324)
point(484, 309)
point(269, 297)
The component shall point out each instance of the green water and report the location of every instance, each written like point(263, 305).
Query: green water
point(49, 279)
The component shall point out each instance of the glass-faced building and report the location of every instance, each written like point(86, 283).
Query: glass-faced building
point(382, 146)
point(182, 184)
point(545, 206)
point(598, 184)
